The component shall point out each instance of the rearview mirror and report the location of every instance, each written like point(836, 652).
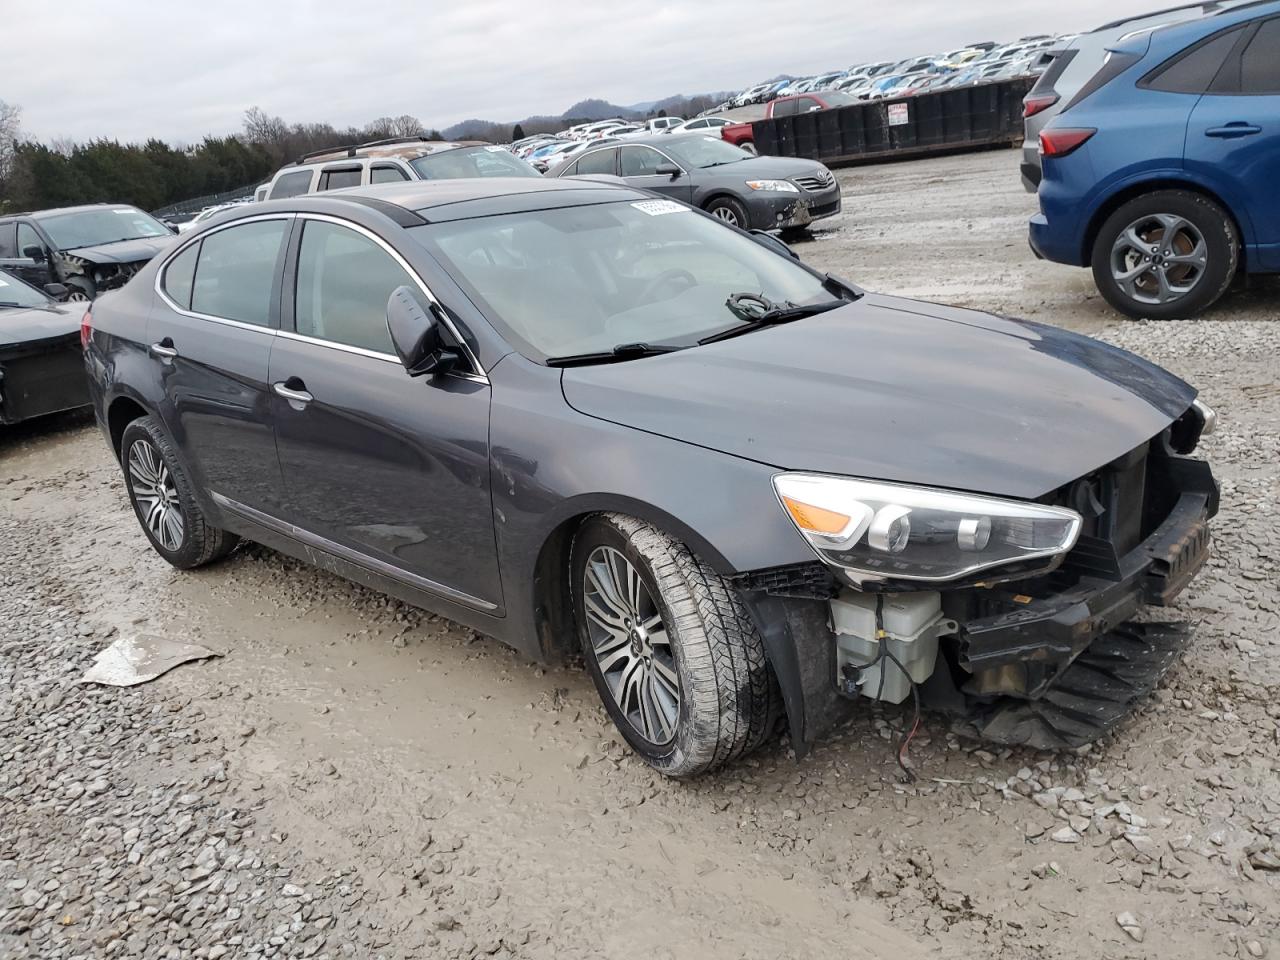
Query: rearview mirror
point(34, 252)
point(56, 290)
point(416, 335)
point(668, 170)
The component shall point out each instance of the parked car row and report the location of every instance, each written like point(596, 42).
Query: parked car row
point(976, 63)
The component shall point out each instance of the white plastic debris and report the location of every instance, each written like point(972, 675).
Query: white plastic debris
point(139, 658)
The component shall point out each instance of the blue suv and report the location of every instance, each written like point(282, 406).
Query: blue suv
point(1163, 172)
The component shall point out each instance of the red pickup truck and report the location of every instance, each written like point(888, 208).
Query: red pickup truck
point(740, 134)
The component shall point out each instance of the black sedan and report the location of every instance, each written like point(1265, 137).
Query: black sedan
point(40, 366)
point(744, 190)
point(576, 417)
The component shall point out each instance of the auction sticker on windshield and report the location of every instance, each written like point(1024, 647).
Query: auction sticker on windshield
point(656, 208)
point(897, 114)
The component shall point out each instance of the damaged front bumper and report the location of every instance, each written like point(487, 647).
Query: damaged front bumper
point(785, 212)
point(1051, 662)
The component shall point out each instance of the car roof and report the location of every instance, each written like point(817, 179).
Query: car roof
point(413, 202)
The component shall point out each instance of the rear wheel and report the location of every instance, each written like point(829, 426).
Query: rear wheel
point(673, 652)
point(162, 499)
point(1166, 255)
point(730, 210)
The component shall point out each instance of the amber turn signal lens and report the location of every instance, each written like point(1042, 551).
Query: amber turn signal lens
point(815, 519)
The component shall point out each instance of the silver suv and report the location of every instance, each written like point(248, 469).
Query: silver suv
point(391, 161)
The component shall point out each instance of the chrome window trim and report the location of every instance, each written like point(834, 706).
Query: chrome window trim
point(413, 274)
point(480, 377)
point(351, 555)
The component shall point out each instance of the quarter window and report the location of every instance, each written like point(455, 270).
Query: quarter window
point(236, 271)
point(8, 247)
point(1195, 70)
point(344, 282)
point(179, 275)
point(387, 174)
point(291, 185)
point(1260, 64)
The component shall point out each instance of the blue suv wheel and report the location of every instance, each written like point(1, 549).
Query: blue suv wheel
point(1165, 255)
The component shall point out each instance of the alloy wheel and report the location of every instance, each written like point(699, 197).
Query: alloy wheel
point(631, 645)
point(77, 296)
point(1159, 258)
point(726, 214)
point(156, 494)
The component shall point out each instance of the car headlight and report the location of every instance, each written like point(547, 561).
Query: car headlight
point(773, 186)
point(890, 531)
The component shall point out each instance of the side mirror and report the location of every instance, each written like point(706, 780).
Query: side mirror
point(34, 252)
point(774, 244)
point(416, 335)
point(668, 170)
point(56, 290)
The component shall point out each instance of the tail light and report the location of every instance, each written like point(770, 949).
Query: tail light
point(1035, 103)
point(1059, 143)
point(86, 329)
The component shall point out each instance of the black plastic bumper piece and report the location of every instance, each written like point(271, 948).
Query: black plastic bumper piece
point(1090, 697)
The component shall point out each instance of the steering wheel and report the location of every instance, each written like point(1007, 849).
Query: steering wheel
point(687, 279)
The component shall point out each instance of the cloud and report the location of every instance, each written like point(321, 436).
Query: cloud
point(178, 70)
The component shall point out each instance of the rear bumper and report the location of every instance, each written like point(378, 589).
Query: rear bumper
point(41, 378)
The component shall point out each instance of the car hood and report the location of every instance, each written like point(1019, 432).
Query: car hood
point(766, 168)
point(122, 251)
point(893, 389)
point(22, 325)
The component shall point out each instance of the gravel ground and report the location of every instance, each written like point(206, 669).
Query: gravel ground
point(358, 778)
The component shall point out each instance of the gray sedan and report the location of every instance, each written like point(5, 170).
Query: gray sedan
point(754, 193)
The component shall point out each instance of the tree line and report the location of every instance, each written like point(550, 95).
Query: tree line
point(154, 174)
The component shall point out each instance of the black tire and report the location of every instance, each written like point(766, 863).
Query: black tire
point(725, 208)
point(199, 541)
point(795, 234)
point(1222, 248)
point(729, 702)
point(80, 290)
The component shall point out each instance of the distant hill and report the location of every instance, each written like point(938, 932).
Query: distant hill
point(582, 112)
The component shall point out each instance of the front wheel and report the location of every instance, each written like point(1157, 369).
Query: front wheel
point(674, 654)
point(1166, 255)
point(730, 210)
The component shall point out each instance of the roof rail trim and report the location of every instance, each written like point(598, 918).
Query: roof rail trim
point(351, 148)
point(400, 216)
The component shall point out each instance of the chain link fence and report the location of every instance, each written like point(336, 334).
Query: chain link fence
point(196, 204)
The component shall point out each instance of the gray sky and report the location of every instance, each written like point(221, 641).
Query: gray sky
point(178, 70)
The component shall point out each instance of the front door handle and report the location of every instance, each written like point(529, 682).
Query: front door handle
point(164, 349)
point(1232, 130)
point(293, 390)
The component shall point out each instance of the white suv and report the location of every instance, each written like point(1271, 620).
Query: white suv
point(390, 161)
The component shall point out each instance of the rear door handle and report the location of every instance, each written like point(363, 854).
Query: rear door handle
point(1232, 130)
point(164, 349)
point(293, 390)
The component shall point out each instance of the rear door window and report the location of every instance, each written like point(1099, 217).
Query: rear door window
point(599, 161)
point(784, 108)
point(344, 282)
point(339, 178)
point(1260, 63)
point(291, 184)
point(1194, 70)
point(236, 271)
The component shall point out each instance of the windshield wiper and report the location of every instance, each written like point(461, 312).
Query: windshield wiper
point(623, 351)
point(104, 243)
point(721, 163)
point(9, 303)
point(759, 311)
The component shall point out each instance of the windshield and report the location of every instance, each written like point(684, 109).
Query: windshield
point(585, 279)
point(15, 293)
point(88, 228)
point(467, 162)
point(703, 152)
